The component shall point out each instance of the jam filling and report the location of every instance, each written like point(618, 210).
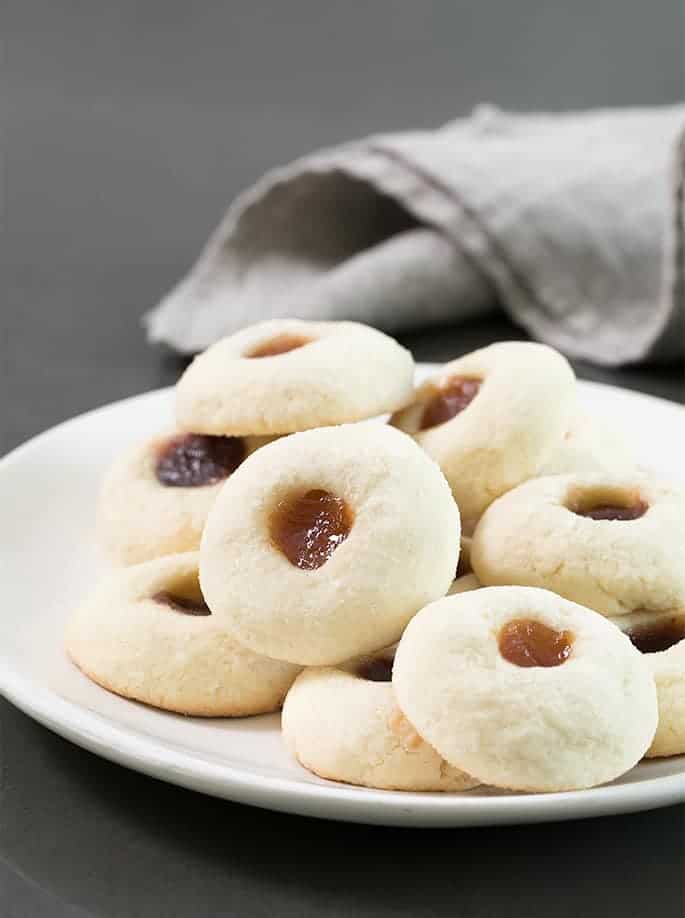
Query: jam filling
point(614, 511)
point(308, 529)
point(182, 603)
point(659, 636)
point(525, 642)
point(283, 344)
point(449, 401)
point(378, 669)
point(195, 460)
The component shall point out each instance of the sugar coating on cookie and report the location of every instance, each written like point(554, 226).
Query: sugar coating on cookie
point(343, 723)
point(146, 633)
point(155, 498)
point(525, 690)
point(492, 419)
point(661, 638)
point(288, 375)
point(323, 545)
point(613, 544)
point(591, 446)
point(668, 669)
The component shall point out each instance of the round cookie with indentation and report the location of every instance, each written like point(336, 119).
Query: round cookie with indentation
point(323, 544)
point(492, 419)
point(343, 723)
point(525, 690)
point(288, 375)
point(155, 498)
point(589, 447)
point(147, 634)
point(661, 637)
point(612, 544)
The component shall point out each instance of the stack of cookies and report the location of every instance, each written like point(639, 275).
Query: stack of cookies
point(485, 589)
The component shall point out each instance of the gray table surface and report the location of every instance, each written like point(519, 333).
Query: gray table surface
point(126, 127)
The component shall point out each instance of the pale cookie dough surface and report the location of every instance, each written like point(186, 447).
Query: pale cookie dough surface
point(347, 372)
point(589, 446)
point(138, 518)
point(147, 651)
point(510, 429)
point(400, 554)
point(531, 537)
point(652, 634)
point(537, 728)
point(464, 585)
point(346, 728)
point(668, 669)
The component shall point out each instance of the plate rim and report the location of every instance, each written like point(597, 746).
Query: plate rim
point(163, 760)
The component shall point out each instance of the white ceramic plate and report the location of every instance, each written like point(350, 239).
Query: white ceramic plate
point(48, 489)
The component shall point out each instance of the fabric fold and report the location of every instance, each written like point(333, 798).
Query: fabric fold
point(573, 223)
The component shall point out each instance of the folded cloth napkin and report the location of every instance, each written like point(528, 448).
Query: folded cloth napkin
point(573, 223)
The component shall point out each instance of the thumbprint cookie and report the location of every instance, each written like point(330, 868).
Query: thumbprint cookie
point(324, 544)
point(525, 690)
point(147, 634)
point(287, 375)
point(492, 419)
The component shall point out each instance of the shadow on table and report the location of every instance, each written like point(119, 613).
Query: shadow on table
point(97, 837)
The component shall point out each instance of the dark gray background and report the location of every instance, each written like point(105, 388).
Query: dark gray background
point(126, 128)
point(128, 125)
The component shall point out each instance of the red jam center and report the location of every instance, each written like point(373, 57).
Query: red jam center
point(195, 460)
point(449, 401)
point(308, 529)
point(659, 636)
point(379, 669)
point(614, 511)
point(283, 344)
point(525, 642)
point(182, 603)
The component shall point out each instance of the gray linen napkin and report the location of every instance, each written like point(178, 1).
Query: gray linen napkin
point(574, 223)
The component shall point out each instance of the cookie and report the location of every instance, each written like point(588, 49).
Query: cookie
point(464, 584)
point(323, 545)
point(146, 633)
point(591, 446)
point(155, 498)
point(668, 669)
point(287, 375)
point(492, 419)
point(661, 637)
point(343, 723)
point(525, 690)
point(612, 544)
